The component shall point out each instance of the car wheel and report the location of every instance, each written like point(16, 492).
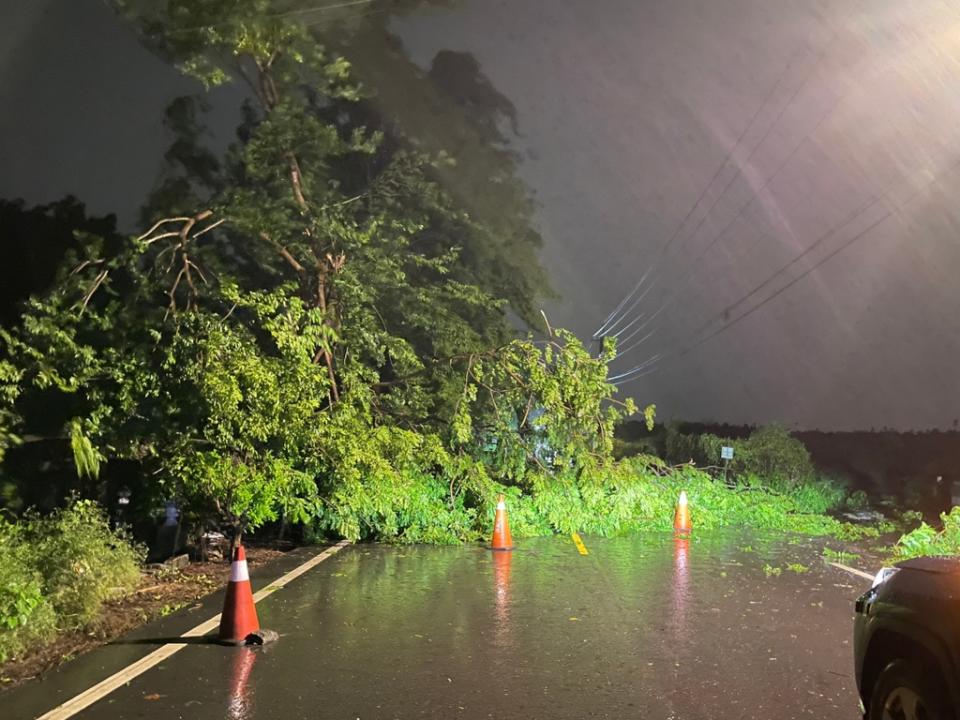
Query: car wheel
point(906, 690)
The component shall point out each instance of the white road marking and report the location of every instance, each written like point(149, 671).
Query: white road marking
point(847, 568)
point(103, 688)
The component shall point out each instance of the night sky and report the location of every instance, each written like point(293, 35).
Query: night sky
point(796, 124)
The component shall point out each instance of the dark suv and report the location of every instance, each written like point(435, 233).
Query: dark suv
point(907, 642)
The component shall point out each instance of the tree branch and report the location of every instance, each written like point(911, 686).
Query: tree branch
point(98, 281)
point(208, 228)
point(162, 222)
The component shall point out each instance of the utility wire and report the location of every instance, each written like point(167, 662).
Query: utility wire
point(286, 13)
point(677, 284)
point(726, 187)
point(648, 366)
point(606, 326)
point(821, 55)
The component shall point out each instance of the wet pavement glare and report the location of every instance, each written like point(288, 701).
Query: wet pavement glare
point(647, 626)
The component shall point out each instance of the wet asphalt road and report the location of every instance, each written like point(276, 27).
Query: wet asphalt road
point(643, 627)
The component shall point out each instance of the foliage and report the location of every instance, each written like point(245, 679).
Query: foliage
point(624, 448)
point(55, 573)
point(9, 392)
point(303, 311)
point(858, 501)
point(632, 496)
point(82, 561)
point(26, 616)
point(770, 452)
point(925, 540)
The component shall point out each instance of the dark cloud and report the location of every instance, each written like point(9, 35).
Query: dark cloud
point(83, 106)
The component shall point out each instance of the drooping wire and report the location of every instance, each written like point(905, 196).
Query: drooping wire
point(679, 351)
point(322, 8)
point(607, 326)
point(821, 55)
point(729, 182)
point(678, 284)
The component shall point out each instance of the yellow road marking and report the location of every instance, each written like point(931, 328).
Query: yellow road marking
point(579, 543)
point(89, 696)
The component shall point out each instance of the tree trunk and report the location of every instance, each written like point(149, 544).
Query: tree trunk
point(236, 539)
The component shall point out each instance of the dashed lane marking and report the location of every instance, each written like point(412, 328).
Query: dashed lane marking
point(581, 548)
point(847, 568)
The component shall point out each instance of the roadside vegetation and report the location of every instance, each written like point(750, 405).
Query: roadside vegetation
point(57, 571)
point(927, 541)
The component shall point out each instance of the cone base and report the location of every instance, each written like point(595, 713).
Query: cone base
point(259, 637)
point(502, 549)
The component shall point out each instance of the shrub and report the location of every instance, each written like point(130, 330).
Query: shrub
point(640, 446)
point(926, 541)
point(858, 501)
point(774, 453)
point(26, 616)
point(771, 452)
point(81, 561)
point(56, 571)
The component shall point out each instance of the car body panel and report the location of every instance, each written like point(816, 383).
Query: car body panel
point(920, 603)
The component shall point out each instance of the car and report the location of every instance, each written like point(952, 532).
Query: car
point(907, 641)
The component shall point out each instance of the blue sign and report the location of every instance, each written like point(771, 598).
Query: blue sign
point(726, 453)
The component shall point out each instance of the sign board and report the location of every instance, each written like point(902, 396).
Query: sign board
point(172, 513)
point(726, 453)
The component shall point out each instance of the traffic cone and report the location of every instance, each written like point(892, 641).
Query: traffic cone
point(501, 528)
point(239, 617)
point(681, 518)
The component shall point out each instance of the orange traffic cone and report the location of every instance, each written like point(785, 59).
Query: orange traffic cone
point(239, 618)
point(681, 518)
point(501, 528)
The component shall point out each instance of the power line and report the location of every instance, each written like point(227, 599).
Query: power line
point(286, 13)
point(324, 8)
point(730, 182)
point(860, 209)
point(820, 58)
point(606, 324)
point(649, 365)
point(672, 295)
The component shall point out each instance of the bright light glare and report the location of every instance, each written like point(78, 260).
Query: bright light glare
point(883, 575)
